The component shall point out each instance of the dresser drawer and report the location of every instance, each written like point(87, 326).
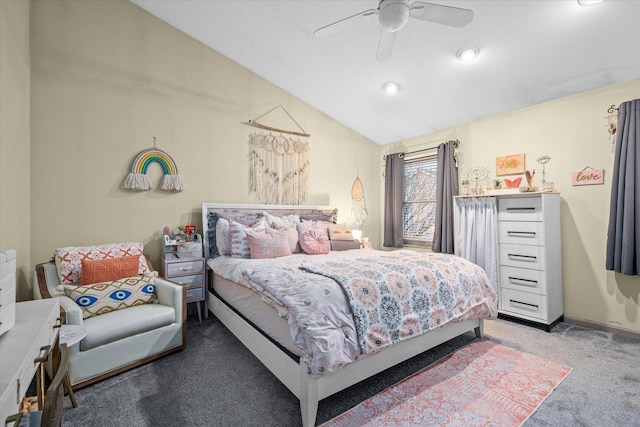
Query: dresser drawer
point(184, 268)
point(523, 279)
point(523, 304)
point(195, 294)
point(189, 281)
point(520, 209)
point(521, 232)
point(7, 317)
point(524, 256)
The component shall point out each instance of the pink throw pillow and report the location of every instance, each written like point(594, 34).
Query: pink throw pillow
point(339, 232)
point(238, 235)
point(313, 238)
point(271, 244)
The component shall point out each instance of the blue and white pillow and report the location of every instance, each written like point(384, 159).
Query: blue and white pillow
point(100, 298)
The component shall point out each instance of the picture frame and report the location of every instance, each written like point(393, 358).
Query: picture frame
point(512, 164)
point(168, 241)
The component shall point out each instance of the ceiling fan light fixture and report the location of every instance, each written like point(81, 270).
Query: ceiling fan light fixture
point(393, 15)
point(468, 53)
point(589, 2)
point(391, 87)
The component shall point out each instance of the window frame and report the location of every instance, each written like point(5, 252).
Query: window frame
point(426, 155)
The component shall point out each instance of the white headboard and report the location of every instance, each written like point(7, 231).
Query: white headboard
point(231, 210)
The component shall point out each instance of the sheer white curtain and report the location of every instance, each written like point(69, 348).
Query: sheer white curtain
point(478, 233)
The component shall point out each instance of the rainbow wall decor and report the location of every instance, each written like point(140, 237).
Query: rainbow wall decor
point(137, 179)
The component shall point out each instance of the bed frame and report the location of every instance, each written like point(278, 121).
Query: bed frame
point(293, 373)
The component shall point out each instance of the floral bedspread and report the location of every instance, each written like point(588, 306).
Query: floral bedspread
point(388, 297)
point(397, 295)
point(316, 310)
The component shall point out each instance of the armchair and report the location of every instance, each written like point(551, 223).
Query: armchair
point(118, 340)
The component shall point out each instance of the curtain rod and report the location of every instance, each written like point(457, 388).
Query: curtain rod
point(456, 143)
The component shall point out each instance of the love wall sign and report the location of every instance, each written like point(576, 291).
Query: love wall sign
point(588, 176)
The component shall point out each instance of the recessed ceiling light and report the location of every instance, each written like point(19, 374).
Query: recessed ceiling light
point(589, 2)
point(468, 53)
point(391, 87)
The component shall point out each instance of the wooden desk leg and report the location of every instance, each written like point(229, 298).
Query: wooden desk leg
point(69, 390)
point(199, 312)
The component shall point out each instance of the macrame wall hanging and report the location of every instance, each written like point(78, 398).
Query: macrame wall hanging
point(358, 205)
point(278, 163)
point(137, 179)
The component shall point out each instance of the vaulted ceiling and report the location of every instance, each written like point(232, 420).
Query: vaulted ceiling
point(530, 52)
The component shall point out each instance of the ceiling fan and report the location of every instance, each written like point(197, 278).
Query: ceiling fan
point(394, 14)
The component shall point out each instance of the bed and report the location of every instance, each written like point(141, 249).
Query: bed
point(240, 296)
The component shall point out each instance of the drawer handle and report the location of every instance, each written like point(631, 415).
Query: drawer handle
point(521, 209)
point(528, 257)
point(523, 303)
point(44, 355)
point(528, 281)
point(526, 233)
point(186, 268)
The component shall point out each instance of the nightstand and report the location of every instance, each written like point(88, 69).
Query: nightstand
point(186, 268)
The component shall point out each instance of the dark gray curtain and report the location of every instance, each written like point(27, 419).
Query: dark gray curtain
point(446, 188)
point(623, 238)
point(393, 198)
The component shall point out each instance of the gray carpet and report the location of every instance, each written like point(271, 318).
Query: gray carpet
point(215, 381)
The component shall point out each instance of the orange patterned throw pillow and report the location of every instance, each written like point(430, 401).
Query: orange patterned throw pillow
point(69, 260)
point(109, 269)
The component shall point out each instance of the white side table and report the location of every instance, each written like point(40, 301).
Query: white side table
point(71, 335)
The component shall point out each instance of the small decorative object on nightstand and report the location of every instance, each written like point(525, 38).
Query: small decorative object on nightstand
point(182, 263)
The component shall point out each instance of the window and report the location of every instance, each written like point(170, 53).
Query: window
point(419, 205)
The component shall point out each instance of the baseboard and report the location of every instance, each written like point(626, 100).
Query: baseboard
point(531, 323)
point(604, 328)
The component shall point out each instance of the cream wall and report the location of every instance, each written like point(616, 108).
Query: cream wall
point(106, 78)
point(573, 132)
point(14, 136)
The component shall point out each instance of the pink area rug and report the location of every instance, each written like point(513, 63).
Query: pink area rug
point(481, 384)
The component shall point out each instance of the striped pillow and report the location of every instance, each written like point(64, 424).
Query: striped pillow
point(238, 234)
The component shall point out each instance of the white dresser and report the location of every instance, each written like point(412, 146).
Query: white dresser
point(530, 257)
point(7, 290)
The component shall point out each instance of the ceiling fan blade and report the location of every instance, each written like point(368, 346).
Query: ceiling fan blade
point(343, 23)
point(445, 15)
point(385, 45)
